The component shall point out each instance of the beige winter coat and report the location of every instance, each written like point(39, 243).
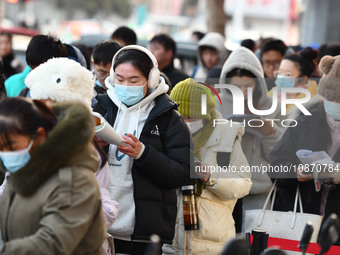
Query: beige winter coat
point(218, 198)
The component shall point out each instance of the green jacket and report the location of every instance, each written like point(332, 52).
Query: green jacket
point(16, 83)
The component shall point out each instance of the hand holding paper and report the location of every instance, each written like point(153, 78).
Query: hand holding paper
point(104, 130)
point(317, 165)
point(132, 146)
point(303, 176)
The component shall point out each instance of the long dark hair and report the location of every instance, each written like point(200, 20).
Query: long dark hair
point(304, 61)
point(23, 116)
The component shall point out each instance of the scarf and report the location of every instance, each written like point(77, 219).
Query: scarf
point(199, 140)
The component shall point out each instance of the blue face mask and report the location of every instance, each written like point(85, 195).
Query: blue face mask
point(332, 109)
point(14, 160)
point(129, 95)
point(284, 81)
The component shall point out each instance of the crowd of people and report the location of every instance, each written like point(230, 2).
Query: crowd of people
point(66, 191)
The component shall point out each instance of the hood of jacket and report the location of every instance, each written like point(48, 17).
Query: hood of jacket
point(216, 41)
point(243, 58)
point(68, 143)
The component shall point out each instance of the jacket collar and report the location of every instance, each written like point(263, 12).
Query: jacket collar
point(67, 143)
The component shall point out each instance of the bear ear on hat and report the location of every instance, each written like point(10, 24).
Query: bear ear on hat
point(326, 64)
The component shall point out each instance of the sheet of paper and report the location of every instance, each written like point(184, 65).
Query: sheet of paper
point(106, 132)
point(309, 157)
point(318, 164)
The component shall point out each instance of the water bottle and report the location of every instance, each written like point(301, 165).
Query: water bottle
point(190, 213)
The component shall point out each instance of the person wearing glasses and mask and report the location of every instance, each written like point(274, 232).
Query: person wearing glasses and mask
point(102, 56)
point(155, 157)
point(271, 54)
point(295, 71)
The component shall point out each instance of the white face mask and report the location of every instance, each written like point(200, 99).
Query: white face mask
point(332, 109)
point(195, 126)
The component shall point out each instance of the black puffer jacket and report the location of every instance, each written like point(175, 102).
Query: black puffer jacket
point(174, 75)
point(163, 166)
point(311, 133)
point(12, 65)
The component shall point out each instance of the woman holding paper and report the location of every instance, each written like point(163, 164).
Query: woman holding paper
point(155, 159)
point(318, 132)
point(243, 70)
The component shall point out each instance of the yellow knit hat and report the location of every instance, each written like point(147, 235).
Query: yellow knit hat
point(188, 94)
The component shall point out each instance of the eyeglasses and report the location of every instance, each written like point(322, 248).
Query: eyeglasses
point(101, 75)
point(275, 64)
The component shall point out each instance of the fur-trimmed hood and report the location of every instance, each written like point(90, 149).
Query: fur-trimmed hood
point(68, 144)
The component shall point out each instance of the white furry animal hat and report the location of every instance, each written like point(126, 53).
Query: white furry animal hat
point(61, 79)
